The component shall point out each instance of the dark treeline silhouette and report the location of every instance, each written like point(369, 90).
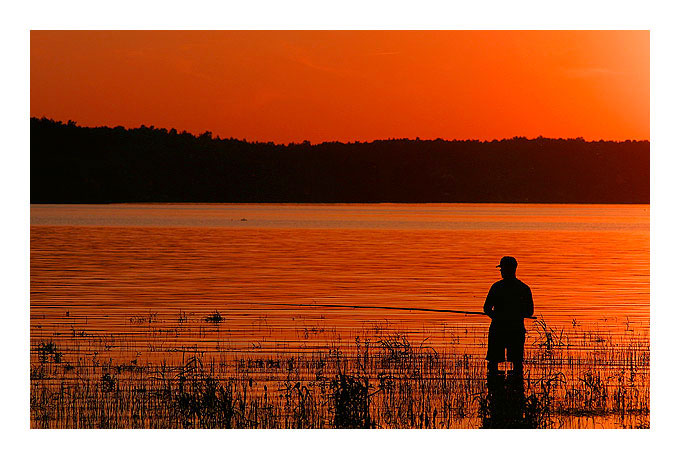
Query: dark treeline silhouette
point(73, 164)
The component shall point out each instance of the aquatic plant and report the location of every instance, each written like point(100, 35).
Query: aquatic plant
point(214, 318)
point(379, 379)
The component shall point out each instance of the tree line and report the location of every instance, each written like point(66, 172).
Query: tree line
point(74, 164)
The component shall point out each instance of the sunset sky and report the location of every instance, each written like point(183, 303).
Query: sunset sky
point(289, 86)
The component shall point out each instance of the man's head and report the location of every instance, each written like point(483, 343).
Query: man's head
point(508, 267)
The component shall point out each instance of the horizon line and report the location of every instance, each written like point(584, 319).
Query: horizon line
point(302, 142)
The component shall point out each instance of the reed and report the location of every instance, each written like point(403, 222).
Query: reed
point(380, 379)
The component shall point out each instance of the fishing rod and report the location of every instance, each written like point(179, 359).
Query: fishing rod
point(396, 308)
point(349, 306)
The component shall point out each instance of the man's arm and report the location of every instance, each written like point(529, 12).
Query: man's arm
point(488, 303)
point(530, 304)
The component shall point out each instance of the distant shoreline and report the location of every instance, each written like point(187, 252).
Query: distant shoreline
point(77, 165)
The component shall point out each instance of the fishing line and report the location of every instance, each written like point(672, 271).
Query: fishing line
point(396, 308)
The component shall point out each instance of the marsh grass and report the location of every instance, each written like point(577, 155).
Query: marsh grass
point(381, 379)
point(214, 318)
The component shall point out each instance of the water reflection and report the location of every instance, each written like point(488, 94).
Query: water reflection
point(505, 406)
point(133, 290)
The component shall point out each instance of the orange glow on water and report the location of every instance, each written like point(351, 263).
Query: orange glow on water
point(130, 287)
point(287, 86)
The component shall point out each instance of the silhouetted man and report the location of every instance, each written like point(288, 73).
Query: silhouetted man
point(509, 301)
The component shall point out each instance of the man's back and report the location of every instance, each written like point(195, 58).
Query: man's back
point(509, 300)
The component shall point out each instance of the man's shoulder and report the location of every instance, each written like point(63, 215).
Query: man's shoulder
point(510, 283)
point(523, 285)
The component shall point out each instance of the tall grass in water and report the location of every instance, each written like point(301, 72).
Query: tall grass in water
point(380, 380)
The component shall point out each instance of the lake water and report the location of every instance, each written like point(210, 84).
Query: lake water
point(111, 270)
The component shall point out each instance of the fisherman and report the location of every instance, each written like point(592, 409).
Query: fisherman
point(509, 301)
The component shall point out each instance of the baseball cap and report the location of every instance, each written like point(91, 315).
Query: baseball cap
point(507, 261)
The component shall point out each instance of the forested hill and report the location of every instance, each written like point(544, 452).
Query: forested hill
point(72, 164)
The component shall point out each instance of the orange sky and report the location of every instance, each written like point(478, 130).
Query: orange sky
point(285, 86)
